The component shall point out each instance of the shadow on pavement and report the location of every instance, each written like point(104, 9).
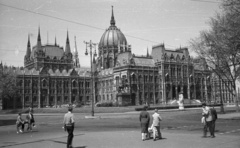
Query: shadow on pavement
point(8, 144)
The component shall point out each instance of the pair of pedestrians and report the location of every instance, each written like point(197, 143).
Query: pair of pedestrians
point(20, 123)
point(155, 127)
point(209, 118)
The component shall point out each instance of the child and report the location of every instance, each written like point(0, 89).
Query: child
point(150, 131)
point(19, 123)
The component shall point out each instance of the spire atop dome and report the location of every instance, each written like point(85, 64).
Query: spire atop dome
point(112, 22)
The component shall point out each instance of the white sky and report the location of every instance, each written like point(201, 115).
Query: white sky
point(173, 22)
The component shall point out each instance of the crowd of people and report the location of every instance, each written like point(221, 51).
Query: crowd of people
point(209, 117)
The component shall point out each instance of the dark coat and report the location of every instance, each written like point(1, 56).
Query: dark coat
point(144, 120)
point(214, 114)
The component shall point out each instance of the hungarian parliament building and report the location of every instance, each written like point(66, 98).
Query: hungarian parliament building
point(53, 76)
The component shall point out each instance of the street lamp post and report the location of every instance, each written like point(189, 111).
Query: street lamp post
point(91, 45)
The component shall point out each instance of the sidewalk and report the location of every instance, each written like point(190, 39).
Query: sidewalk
point(130, 139)
point(233, 115)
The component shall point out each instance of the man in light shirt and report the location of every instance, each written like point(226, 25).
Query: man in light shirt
point(68, 124)
point(156, 125)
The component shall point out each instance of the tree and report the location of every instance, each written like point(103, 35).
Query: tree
point(9, 90)
point(220, 45)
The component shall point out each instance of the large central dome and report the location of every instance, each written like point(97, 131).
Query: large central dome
point(112, 36)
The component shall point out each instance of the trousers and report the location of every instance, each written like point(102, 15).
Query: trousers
point(70, 130)
point(157, 129)
point(207, 126)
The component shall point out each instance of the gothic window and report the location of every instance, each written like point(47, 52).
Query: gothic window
point(117, 81)
point(172, 57)
point(110, 62)
point(183, 57)
point(173, 71)
point(20, 83)
point(139, 78)
point(44, 83)
point(74, 83)
point(133, 77)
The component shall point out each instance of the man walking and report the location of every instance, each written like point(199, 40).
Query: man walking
point(208, 117)
point(68, 124)
point(214, 118)
point(156, 125)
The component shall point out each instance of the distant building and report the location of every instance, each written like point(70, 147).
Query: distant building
point(53, 75)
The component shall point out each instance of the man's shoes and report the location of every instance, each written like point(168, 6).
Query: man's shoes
point(213, 136)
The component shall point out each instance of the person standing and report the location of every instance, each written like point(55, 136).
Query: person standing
point(208, 117)
point(68, 124)
point(19, 123)
point(144, 118)
point(156, 125)
point(30, 120)
point(214, 118)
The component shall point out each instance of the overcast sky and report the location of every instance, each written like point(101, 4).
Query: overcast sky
point(144, 23)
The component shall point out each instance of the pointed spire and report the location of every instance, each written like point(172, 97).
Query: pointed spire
point(55, 41)
point(75, 55)
point(67, 48)
point(147, 53)
point(75, 48)
point(28, 53)
point(39, 44)
point(112, 22)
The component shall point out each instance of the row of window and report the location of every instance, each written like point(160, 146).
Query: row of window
point(27, 83)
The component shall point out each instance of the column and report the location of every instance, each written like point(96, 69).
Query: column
point(48, 91)
point(163, 84)
point(206, 94)
point(55, 93)
point(176, 86)
point(39, 92)
point(62, 97)
point(70, 90)
point(23, 97)
point(188, 82)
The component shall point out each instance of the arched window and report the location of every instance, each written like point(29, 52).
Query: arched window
point(44, 83)
point(74, 83)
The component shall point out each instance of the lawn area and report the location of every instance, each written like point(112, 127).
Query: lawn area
point(85, 109)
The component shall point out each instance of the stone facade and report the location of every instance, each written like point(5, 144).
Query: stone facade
point(53, 76)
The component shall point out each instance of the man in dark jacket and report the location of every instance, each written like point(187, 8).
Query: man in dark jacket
point(214, 118)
